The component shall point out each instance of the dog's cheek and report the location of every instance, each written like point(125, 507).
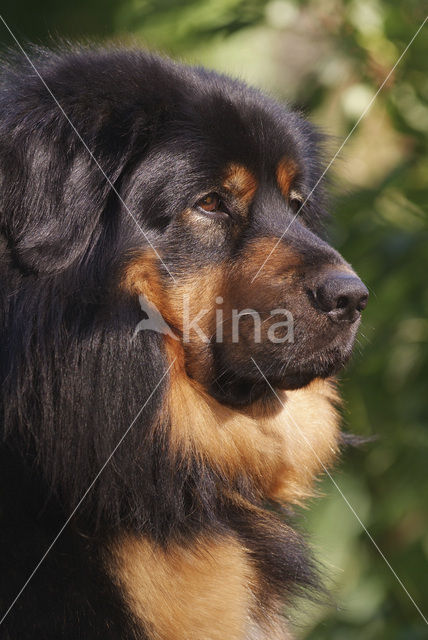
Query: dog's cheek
point(187, 304)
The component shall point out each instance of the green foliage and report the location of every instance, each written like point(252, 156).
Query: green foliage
point(329, 57)
point(176, 25)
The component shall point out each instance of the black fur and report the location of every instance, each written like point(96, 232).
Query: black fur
point(72, 378)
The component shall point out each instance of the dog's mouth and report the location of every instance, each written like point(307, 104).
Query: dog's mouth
point(323, 365)
point(262, 373)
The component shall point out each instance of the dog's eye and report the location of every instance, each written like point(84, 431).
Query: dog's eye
point(211, 203)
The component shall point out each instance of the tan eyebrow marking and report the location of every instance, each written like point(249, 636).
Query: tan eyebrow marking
point(285, 174)
point(241, 182)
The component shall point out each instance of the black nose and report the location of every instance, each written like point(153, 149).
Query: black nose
point(342, 296)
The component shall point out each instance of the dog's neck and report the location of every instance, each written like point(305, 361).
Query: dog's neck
point(280, 445)
point(235, 573)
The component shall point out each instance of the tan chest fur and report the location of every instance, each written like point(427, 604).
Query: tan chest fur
point(205, 591)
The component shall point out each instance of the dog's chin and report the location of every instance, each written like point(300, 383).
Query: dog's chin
point(301, 378)
point(324, 365)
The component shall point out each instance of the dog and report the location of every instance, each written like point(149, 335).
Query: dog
point(155, 436)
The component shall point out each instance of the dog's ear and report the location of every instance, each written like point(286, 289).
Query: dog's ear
point(56, 194)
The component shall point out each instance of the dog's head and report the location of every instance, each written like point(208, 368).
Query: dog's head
point(202, 197)
point(238, 268)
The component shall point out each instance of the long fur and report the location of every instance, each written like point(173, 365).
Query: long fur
point(74, 378)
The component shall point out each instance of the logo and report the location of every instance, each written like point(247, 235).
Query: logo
point(278, 332)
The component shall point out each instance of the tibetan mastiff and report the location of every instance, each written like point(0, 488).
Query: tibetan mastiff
point(159, 418)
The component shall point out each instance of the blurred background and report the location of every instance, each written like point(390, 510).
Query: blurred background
point(328, 58)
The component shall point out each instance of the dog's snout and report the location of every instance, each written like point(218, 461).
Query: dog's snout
point(342, 296)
